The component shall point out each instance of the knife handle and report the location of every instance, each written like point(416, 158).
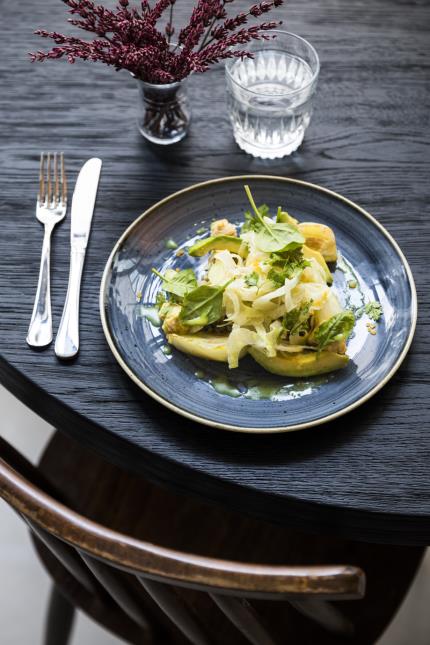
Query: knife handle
point(67, 340)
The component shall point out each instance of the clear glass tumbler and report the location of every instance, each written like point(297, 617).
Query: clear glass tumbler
point(270, 95)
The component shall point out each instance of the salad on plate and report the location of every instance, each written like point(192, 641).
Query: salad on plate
point(266, 291)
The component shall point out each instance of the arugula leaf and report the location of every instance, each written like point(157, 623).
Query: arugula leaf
point(278, 237)
point(251, 280)
point(285, 266)
point(338, 327)
point(178, 283)
point(203, 305)
point(374, 310)
point(273, 237)
point(297, 320)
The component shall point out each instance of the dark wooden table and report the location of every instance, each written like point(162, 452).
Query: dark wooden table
point(367, 475)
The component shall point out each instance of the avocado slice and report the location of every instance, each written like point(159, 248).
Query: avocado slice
point(219, 243)
point(285, 218)
point(302, 364)
point(202, 345)
point(312, 253)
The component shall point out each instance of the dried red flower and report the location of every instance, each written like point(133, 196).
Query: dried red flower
point(127, 37)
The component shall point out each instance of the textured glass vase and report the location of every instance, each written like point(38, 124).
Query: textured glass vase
point(163, 112)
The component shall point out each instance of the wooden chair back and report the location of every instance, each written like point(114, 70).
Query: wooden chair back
point(96, 556)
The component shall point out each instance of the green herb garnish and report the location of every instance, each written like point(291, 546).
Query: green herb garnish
point(251, 223)
point(336, 328)
point(286, 266)
point(252, 279)
point(160, 299)
point(296, 321)
point(374, 310)
point(203, 306)
point(273, 237)
point(178, 283)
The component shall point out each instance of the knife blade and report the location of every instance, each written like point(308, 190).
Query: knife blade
point(83, 202)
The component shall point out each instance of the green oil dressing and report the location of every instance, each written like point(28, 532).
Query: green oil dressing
point(354, 297)
point(260, 391)
point(264, 390)
point(201, 230)
point(275, 391)
point(296, 391)
point(223, 386)
point(171, 244)
point(299, 389)
point(166, 349)
point(151, 314)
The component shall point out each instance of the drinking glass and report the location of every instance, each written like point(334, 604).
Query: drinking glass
point(270, 95)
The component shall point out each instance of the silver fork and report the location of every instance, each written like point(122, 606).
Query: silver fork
point(50, 209)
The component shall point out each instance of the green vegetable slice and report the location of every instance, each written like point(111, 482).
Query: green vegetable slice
point(336, 328)
point(282, 217)
point(203, 306)
point(179, 283)
point(219, 243)
point(297, 320)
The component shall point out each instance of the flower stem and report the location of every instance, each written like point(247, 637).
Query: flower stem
point(208, 31)
point(170, 22)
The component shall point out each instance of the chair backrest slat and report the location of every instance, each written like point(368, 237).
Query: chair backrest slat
point(110, 580)
point(26, 470)
point(323, 613)
point(171, 604)
point(67, 556)
point(245, 618)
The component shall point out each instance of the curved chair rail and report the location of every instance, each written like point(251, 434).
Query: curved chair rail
point(329, 582)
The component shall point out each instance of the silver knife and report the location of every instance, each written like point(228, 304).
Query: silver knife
point(84, 197)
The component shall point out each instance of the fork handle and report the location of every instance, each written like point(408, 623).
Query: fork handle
point(40, 328)
point(67, 340)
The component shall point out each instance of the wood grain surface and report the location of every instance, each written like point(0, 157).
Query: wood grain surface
point(365, 476)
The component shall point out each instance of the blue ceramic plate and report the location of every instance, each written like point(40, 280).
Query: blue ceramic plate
point(249, 399)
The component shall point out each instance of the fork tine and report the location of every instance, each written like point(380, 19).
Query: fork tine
point(56, 184)
point(41, 195)
point(63, 181)
point(48, 180)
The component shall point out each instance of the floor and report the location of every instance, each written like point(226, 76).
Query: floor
point(24, 586)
